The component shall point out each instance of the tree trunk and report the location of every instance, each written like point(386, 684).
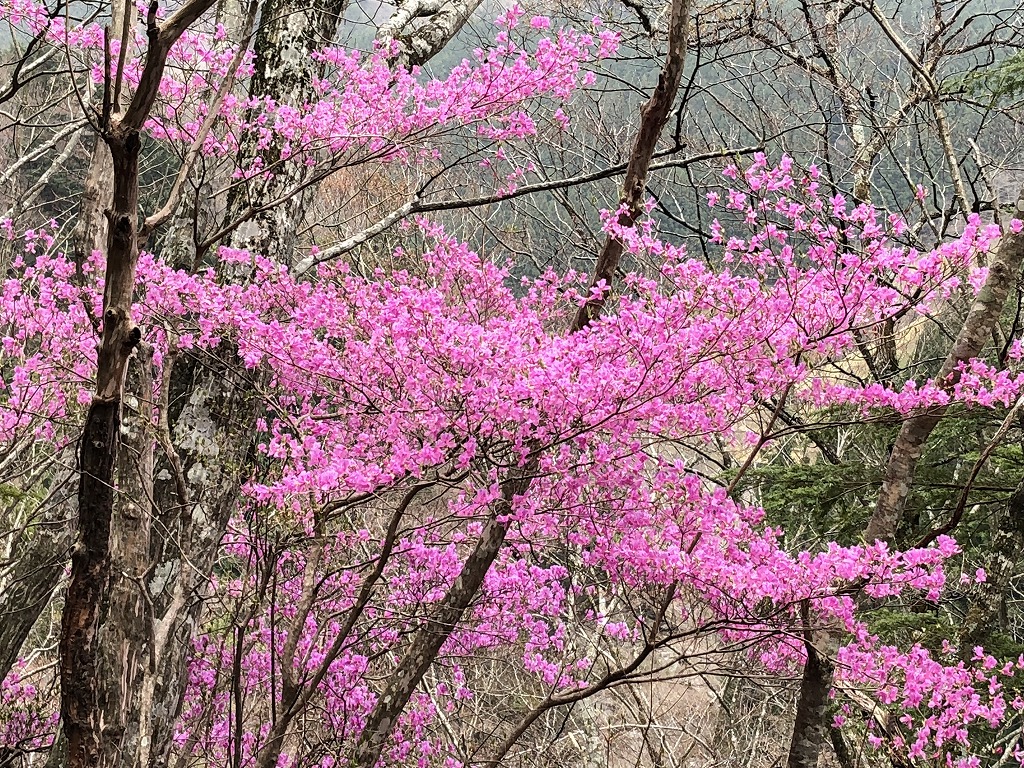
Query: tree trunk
point(428, 638)
point(90, 563)
point(292, 30)
point(201, 476)
point(42, 560)
point(124, 637)
point(85, 699)
point(208, 440)
point(653, 118)
point(809, 726)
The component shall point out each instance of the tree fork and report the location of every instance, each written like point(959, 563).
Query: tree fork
point(90, 561)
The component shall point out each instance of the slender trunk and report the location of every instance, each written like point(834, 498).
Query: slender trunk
point(43, 559)
point(653, 118)
point(975, 332)
point(428, 639)
point(110, 230)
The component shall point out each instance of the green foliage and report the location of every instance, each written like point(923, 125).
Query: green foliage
point(822, 498)
point(10, 493)
point(1002, 80)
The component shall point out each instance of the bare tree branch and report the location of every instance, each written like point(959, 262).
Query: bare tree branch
point(417, 205)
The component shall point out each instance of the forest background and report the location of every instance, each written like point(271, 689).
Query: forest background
point(452, 384)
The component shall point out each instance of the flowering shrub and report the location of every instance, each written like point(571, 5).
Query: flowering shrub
point(454, 378)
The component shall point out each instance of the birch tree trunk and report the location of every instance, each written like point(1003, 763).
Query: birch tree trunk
point(271, 210)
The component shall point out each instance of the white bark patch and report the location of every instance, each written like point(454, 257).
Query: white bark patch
point(162, 574)
point(197, 474)
point(196, 431)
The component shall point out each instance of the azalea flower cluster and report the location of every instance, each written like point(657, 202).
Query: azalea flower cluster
point(27, 717)
point(359, 107)
point(455, 371)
